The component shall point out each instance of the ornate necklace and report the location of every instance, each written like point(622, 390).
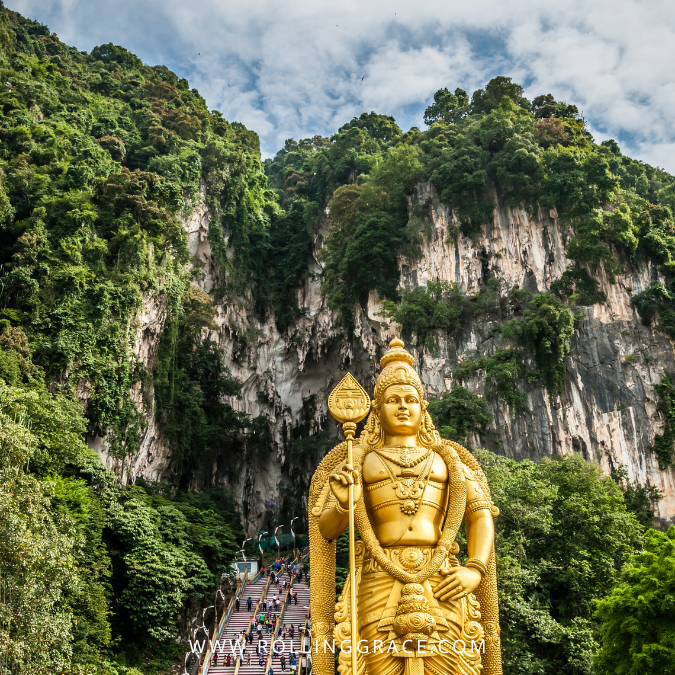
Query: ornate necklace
point(408, 487)
point(455, 513)
point(405, 457)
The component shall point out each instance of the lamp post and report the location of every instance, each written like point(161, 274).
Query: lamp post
point(185, 670)
point(215, 603)
point(202, 627)
point(259, 538)
point(206, 609)
point(293, 533)
point(243, 547)
point(277, 540)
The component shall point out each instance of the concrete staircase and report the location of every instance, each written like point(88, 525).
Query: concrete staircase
point(238, 623)
point(293, 614)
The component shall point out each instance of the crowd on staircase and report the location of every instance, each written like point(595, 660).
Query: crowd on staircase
point(264, 634)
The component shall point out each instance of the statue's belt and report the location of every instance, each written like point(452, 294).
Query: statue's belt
point(411, 558)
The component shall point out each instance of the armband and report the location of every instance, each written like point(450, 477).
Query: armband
point(476, 505)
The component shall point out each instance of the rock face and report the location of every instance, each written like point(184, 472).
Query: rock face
point(607, 411)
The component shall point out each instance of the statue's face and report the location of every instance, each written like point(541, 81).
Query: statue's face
point(401, 410)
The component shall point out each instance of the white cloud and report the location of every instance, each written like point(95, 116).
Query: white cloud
point(291, 68)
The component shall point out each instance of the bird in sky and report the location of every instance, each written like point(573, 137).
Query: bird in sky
point(362, 78)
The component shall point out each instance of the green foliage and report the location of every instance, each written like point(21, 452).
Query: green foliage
point(458, 414)
point(576, 181)
point(657, 235)
point(101, 157)
point(156, 568)
point(664, 444)
point(502, 369)
point(447, 107)
point(89, 547)
point(379, 127)
point(111, 53)
point(562, 537)
point(342, 560)
point(486, 100)
point(191, 381)
point(439, 307)
point(578, 286)
point(546, 107)
point(640, 499)
point(461, 180)
point(638, 631)
point(37, 561)
point(361, 253)
point(284, 262)
point(546, 330)
point(657, 301)
point(531, 155)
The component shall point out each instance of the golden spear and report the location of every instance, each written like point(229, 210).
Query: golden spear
point(349, 403)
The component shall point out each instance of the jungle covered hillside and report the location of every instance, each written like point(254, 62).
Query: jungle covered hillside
point(102, 159)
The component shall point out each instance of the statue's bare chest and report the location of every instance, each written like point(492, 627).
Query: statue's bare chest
point(377, 468)
point(411, 497)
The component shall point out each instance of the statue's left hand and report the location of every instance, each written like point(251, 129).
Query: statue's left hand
point(458, 583)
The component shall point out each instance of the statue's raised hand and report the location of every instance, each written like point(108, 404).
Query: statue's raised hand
point(340, 482)
point(459, 582)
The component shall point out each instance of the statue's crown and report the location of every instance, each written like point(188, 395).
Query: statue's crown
point(397, 368)
point(396, 353)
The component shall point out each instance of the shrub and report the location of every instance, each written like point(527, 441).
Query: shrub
point(458, 413)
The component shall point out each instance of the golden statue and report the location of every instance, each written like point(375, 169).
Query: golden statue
point(416, 610)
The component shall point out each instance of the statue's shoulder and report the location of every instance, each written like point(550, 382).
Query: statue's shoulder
point(472, 470)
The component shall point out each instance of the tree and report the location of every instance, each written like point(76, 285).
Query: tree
point(545, 106)
point(447, 107)
point(427, 310)
point(37, 565)
point(638, 632)
point(379, 127)
point(110, 53)
point(485, 100)
point(562, 537)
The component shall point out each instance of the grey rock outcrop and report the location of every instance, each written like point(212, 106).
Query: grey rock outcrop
point(607, 411)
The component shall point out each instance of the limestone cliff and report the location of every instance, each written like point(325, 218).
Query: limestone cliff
point(607, 411)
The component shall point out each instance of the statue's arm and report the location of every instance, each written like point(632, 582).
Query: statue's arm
point(332, 523)
point(480, 528)
point(480, 535)
point(334, 519)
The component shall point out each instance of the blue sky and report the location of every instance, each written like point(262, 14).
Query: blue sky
point(296, 69)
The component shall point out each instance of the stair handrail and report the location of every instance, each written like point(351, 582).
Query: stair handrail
point(238, 658)
point(217, 631)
